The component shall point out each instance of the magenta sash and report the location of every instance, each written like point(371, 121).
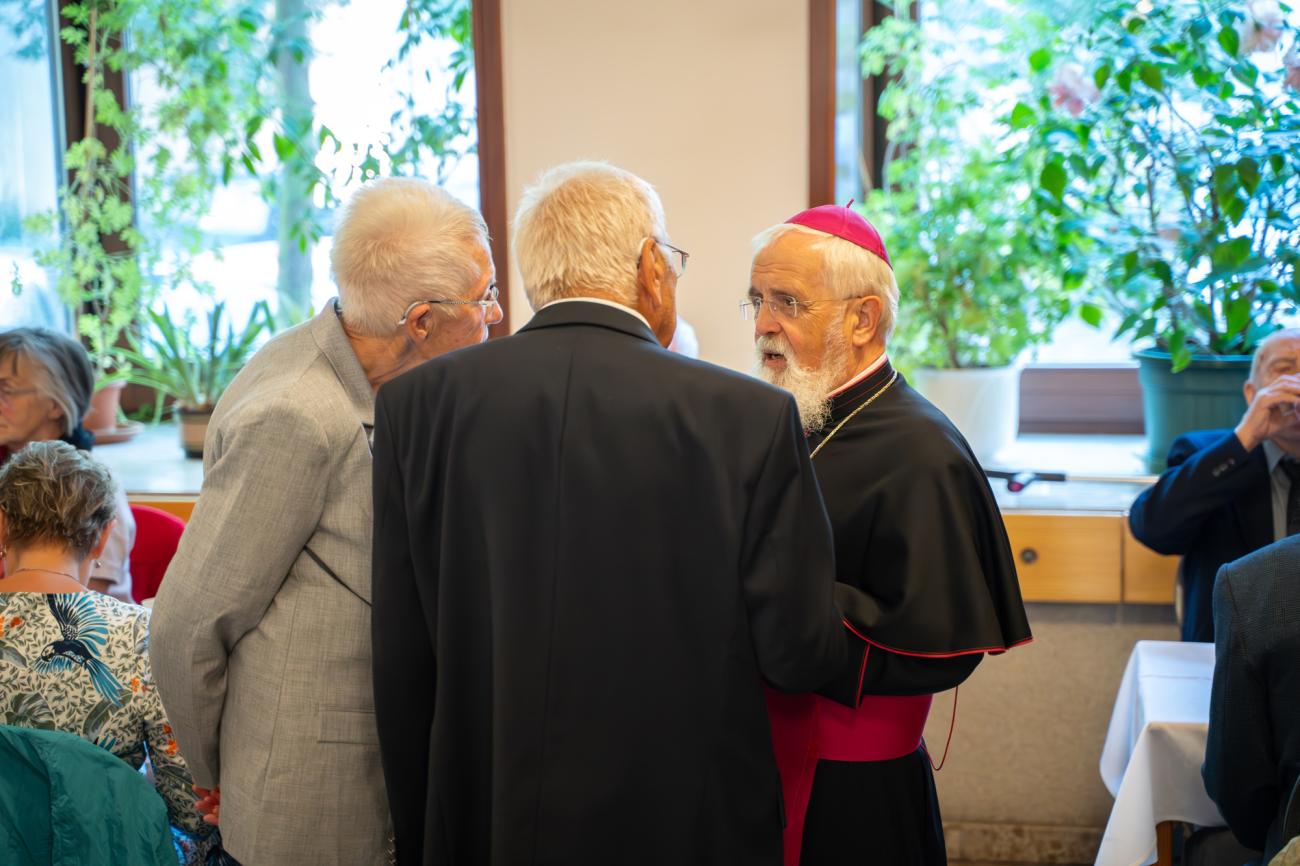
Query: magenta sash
point(806, 728)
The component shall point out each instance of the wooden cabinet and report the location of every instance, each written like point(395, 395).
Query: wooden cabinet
point(1067, 557)
point(1086, 558)
point(1148, 577)
point(1083, 557)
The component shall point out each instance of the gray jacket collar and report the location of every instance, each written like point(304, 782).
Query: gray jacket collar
point(326, 328)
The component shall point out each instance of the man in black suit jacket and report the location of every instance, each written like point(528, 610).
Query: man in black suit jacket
point(1227, 493)
point(1253, 754)
point(589, 555)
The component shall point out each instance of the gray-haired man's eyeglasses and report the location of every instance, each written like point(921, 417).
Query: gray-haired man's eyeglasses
point(488, 304)
point(677, 261)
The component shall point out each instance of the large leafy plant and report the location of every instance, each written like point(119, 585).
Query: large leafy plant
point(106, 268)
point(978, 283)
point(1174, 171)
point(127, 230)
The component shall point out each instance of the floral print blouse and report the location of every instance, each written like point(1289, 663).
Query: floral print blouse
point(79, 663)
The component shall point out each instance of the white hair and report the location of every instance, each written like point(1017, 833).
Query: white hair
point(580, 227)
point(848, 270)
point(1282, 336)
point(402, 240)
point(811, 387)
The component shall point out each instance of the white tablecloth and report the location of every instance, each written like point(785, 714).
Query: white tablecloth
point(1154, 748)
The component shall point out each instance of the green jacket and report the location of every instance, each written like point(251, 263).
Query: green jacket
point(66, 802)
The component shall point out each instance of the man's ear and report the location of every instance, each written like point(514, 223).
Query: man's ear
point(419, 327)
point(651, 274)
point(1249, 390)
point(867, 323)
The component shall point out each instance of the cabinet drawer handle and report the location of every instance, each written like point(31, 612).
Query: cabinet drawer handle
point(1028, 556)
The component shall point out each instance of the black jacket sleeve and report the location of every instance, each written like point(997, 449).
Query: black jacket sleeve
point(889, 673)
point(881, 672)
point(788, 568)
point(1201, 479)
point(1240, 772)
point(405, 668)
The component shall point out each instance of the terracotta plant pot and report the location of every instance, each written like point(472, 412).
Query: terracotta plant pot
point(104, 405)
point(194, 428)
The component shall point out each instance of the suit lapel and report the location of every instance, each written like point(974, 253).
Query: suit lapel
point(1254, 512)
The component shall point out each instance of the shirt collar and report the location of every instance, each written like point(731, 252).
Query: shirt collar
point(602, 302)
point(326, 329)
point(1273, 453)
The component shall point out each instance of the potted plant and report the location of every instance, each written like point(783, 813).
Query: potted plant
point(107, 266)
point(978, 286)
point(193, 373)
point(1173, 180)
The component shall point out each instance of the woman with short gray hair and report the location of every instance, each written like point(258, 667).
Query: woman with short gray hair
point(46, 380)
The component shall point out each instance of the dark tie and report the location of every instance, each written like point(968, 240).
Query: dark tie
point(1291, 467)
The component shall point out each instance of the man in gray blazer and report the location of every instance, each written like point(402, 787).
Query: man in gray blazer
point(1252, 758)
point(261, 629)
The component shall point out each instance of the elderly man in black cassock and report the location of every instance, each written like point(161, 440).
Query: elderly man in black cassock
point(924, 571)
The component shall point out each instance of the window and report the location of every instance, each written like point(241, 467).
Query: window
point(1080, 358)
point(360, 83)
point(29, 162)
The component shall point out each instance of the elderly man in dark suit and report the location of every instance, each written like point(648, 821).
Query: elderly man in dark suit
point(1227, 493)
point(589, 555)
point(1253, 755)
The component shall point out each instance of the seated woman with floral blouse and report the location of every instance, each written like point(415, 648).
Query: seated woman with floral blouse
point(74, 660)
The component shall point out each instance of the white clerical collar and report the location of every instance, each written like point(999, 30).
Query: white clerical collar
point(871, 368)
point(602, 302)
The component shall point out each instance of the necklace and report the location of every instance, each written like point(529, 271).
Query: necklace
point(44, 571)
point(849, 417)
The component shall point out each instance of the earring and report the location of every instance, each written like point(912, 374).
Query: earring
point(98, 564)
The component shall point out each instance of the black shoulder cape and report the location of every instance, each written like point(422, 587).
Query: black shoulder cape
point(923, 564)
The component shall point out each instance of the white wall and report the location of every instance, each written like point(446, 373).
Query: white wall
point(705, 99)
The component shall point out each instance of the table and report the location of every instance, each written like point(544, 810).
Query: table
point(1155, 746)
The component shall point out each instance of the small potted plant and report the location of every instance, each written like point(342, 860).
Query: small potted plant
point(193, 373)
point(1173, 179)
point(978, 285)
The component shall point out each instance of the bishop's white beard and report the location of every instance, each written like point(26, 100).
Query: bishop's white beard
point(810, 387)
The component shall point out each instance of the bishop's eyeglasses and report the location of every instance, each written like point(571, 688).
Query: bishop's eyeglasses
point(488, 304)
point(782, 306)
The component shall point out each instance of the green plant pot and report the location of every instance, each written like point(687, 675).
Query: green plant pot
point(1206, 395)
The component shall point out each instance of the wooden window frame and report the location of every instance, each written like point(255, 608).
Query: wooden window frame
point(1054, 398)
point(490, 111)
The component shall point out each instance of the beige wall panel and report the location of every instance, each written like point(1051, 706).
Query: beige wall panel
point(706, 99)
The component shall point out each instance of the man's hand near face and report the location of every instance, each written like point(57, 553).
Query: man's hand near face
point(1273, 408)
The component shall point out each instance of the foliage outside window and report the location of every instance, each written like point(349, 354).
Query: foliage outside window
point(226, 104)
point(1173, 177)
point(979, 283)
